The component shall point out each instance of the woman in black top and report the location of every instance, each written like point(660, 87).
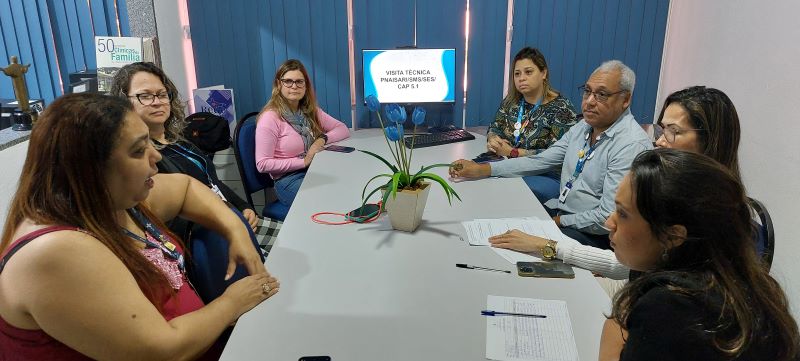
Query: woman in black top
point(683, 219)
point(155, 98)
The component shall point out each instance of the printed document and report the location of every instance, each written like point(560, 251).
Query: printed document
point(527, 338)
point(479, 231)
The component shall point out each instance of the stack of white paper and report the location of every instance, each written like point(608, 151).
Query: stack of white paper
point(479, 231)
point(528, 338)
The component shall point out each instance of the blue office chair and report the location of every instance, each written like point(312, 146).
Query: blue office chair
point(209, 261)
point(244, 148)
point(765, 233)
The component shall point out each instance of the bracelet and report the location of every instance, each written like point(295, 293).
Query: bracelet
point(514, 153)
point(324, 137)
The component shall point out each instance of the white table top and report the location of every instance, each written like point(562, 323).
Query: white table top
point(365, 292)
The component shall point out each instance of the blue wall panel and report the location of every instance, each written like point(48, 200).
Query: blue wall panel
point(440, 24)
point(257, 36)
point(53, 36)
point(242, 44)
point(9, 46)
point(577, 35)
point(382, 24)
point(487, 46)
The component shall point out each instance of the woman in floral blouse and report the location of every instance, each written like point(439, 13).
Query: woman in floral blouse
point(531, 118)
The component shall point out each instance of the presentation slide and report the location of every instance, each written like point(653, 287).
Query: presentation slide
point(410, 75)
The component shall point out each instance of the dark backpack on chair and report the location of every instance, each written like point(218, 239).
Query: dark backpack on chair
point(207, 131)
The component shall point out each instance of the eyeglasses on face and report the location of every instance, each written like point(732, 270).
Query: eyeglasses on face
point(149, 99)
point(601, 96)
point(300, 83)
point(670, 131)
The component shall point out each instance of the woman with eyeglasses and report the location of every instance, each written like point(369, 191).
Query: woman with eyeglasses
point(155, 98)
point(702, 120)
point(292, 129)
point(683, 220)
point(697, 119)
point(531, 118)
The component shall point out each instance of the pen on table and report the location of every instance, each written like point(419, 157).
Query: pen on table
point(498, 313)
point(464, 265)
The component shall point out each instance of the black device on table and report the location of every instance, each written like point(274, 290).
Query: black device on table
point(339, 148)
point(439, 138)
point(363, 213)
point(545, 269)
point(488, 157)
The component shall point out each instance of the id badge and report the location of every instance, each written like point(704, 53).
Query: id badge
point(563, 196)
point(218, 192)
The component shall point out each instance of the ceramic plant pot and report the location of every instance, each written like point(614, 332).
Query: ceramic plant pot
point(405, 210)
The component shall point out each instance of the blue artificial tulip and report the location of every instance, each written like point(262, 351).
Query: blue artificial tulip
point(372, 103)
point(394, 133)
point(403, 116)
point(418, 117)
point(395, 113)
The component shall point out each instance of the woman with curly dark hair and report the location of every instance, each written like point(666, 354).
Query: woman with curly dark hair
point(155, 98)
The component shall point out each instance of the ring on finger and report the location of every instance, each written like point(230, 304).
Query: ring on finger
point(265, 288)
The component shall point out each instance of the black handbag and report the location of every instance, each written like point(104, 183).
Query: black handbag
point(209, 132)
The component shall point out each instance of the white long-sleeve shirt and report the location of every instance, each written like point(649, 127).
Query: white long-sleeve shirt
point(600, 261)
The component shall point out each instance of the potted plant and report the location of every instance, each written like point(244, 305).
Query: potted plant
point(405, 193)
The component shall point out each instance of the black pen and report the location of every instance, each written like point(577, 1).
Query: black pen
point(499, 313)
point(464, 265)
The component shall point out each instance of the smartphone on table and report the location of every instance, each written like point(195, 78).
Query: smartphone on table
point(363, 213)
point(487, 157)
point(545, 269)
point(339, 148)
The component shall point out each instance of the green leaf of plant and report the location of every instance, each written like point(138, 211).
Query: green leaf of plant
point(371, 193)
point(422, 170)
point(392, 167)
point(385, 198)
point(447, 189)
point(395, 183)
point(372, 179)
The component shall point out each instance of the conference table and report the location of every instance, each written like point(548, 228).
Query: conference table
point(367, 292)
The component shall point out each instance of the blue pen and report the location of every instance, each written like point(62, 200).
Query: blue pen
point(499, 313)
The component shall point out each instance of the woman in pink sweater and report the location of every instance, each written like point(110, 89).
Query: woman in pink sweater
point(292, 129)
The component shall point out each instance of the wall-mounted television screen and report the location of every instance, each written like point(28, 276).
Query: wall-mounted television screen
point(410, 75)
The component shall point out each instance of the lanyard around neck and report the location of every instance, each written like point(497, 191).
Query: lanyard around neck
point(584, 155)
point(518, 126)
point(194, 158)
point(167, 247)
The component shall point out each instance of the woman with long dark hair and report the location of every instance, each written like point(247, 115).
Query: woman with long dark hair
point(88, 269)
point(683, 220)
point(702, 120)
point(531, 118)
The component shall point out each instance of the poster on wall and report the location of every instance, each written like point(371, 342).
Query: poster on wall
point(216, 100)
point(113, 53)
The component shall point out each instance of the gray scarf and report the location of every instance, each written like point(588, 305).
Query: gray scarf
point(300, 123)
